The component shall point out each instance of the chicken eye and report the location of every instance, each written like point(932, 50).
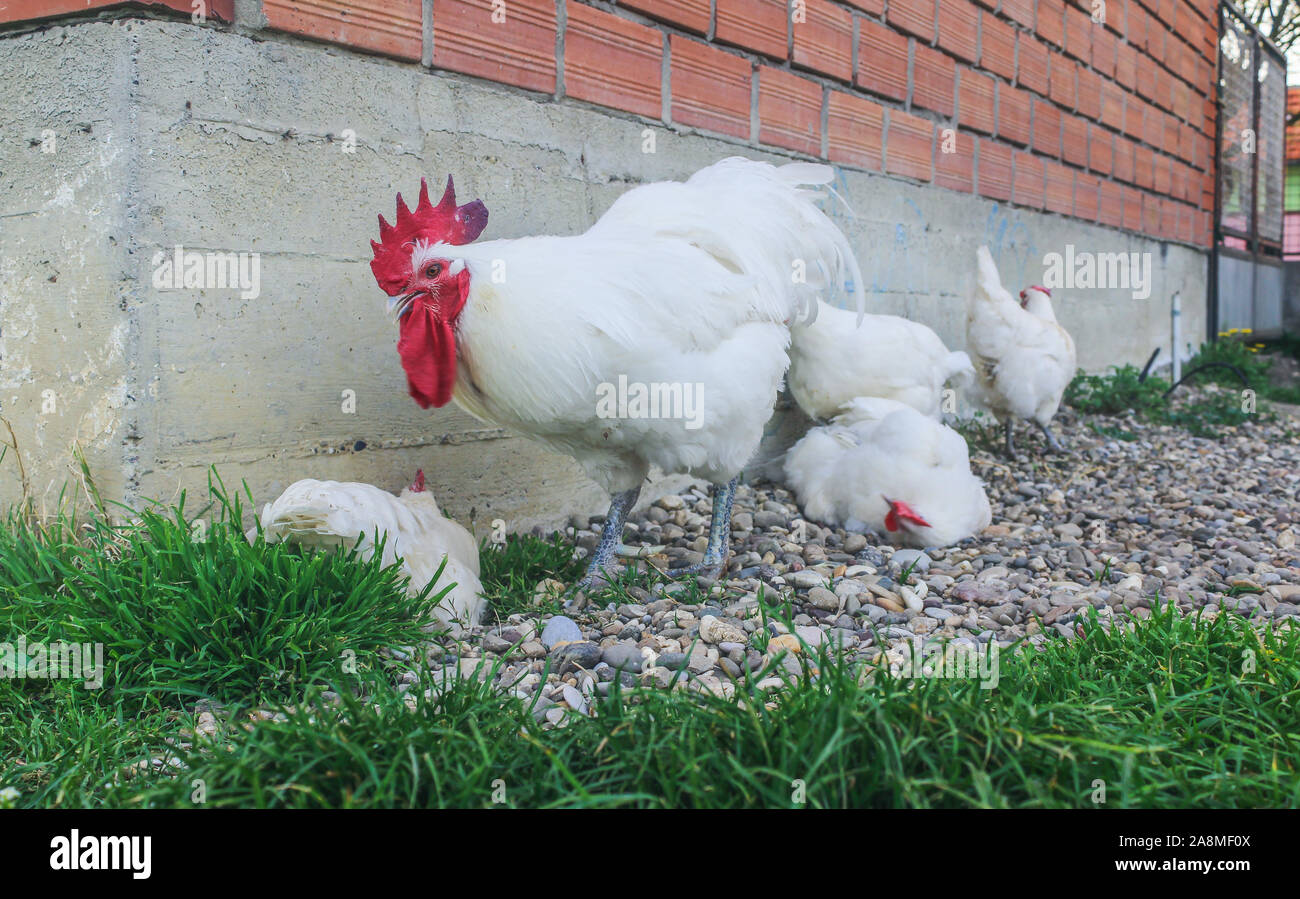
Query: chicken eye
point(433, 271)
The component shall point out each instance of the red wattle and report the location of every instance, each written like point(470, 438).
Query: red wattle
point(428, 350)
point(891, 520)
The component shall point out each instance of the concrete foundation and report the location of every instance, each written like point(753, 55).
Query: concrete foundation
point(121, 140)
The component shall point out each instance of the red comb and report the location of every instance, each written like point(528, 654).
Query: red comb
point(444, 223)
point(1037, 287)
point(418, 486)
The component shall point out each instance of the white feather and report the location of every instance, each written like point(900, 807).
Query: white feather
point(332, 513)
point(842, 472)
point(834, 359)
point(691, 284)
point(1023, 358)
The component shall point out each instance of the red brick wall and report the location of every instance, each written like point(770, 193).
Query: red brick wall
point(1111, 122)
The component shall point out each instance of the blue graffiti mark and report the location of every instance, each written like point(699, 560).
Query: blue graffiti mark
point(1012, 246)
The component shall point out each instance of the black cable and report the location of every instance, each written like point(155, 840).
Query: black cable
point(1200, 368)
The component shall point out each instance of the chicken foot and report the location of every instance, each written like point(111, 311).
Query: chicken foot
point(1051, 438)
point(1011, 444)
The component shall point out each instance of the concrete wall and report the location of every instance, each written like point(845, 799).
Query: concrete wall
point(173, 134)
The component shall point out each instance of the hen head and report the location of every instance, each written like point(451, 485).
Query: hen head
point(902, 515)
point(1027, 294)
point(428, 288)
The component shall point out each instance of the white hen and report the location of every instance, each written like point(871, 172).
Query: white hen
point(333, 513)
point(834, 360)
point(1023, 358)
point(882, 465)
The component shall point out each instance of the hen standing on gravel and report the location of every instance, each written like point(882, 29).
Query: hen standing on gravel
point(678, 287)
point(1023, 358)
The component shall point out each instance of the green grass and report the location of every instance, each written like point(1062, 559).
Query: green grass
point(1165, 718)
point(183, 612)
point(1168, 716)
point(511, 570)
point(1203, 414)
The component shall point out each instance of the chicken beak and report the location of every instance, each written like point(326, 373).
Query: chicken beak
point(401, 306)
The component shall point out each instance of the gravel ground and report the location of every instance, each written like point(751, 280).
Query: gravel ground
point(1207, 524)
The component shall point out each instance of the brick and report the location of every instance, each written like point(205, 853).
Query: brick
point(1126, 65)
point(1103, 51)
point(909, 145)
point(1013, 114)
point(823, 42)
point(959, 28)
point(997, 46)
point(1101, 150)
point(1078, 34)
point(613, 62)
point(995, 171)
point(875, 7)
point(1027, 182)
point(1156, 33)
point(1020, 10)
point(1087, 93)
point(1086, 196)
point(1143, 167)
point(789, 111)
point(1061, 80)
point(1051, 22)
point(1112, 105)
point(1074, 140)
point(916, 17)
point(693, 15)
point(1161, 178)
point(1152, 206)
point(955, 170)
point(1133, 106)
point(519, 51)
point(975, 101)
point(855, 126)
point(1058, 193)
point(27, 10)
point(1153, 126)
point(391, 28)
point(758, 25)
point(1136, 25)
point(1122, 159)
point(1147, 73)
point(1132, 209)
point(882, 60)
point(1031, 63)
point(1110, 204)
point(1047, 128)
point(934, 78)
point(710, 88)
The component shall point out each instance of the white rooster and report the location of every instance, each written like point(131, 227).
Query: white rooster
point(833, 360)
point(882, 465)
point(1023, 358)
point(332, 513)
point(678, 299)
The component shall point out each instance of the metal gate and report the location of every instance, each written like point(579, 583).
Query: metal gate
point(1250, 160)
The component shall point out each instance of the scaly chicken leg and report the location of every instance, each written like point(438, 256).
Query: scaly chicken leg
point(715, 554)
point(611, 539)
point(1051, 438)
